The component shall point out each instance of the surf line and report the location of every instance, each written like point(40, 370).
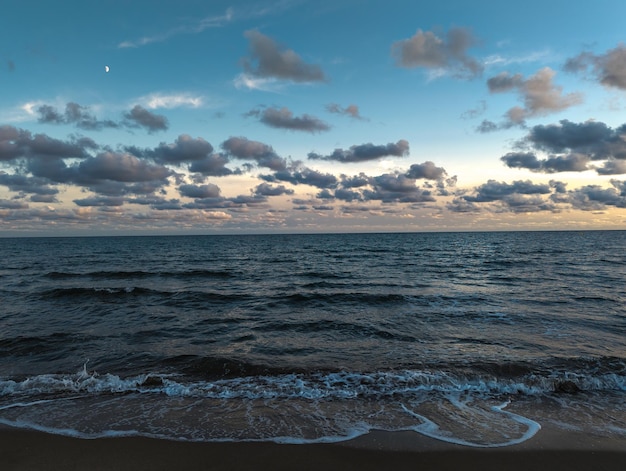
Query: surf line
point(431, 429)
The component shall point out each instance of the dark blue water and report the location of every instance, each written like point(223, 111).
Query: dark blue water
point(315, 337)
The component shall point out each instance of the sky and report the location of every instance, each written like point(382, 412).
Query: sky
point(194, 117)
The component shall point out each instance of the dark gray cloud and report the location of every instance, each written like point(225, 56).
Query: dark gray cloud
point(538, 93)
point(12, 204)
point(269, 60)
point(365, 152)
point(199, 191)
point(590, 137)
point(396, 187)
point(494, 190)
point(10, 65)
point(139, 116)
point(26, 184)
point(100, 201)
point(612, 167)
point(461, 205)
point(351, 110)
point(571, 147)
point(74, 114)
point(596, 198)
point(428, 171)
point(355, 181)
point(18, 143)
point(184, 149)
point(156, 202)
point(303, 175)
point(504, 82)
point(283, 118)
point(609, 68)
point(516, 197)
point(426, 49)
point(119, 167)
point(263, 154)
point(265, 189)
point(552, 164)
point(213, 165)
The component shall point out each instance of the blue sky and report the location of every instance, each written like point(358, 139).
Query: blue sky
point(301, 116)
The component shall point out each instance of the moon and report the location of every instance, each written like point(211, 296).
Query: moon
point(106, 68)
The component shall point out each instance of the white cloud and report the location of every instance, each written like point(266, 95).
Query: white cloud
point(192, 28)
point(251, 82)
point(174, 100)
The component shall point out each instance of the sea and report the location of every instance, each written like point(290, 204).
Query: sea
point(479, 339)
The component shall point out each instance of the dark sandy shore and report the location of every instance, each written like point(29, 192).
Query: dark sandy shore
point(549, 450)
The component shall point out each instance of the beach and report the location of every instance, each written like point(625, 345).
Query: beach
point(550, 449)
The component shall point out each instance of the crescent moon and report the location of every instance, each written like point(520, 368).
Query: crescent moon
point(106, 68)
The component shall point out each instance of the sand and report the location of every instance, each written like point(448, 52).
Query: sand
point(549, 449)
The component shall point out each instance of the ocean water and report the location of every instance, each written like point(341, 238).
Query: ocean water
point(473, 338)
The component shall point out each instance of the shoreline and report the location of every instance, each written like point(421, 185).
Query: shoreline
point(552, 449)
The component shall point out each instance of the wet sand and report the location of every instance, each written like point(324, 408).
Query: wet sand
point(549, 449)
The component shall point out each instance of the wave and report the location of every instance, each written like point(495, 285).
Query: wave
point(230, 379)
point(139, 274)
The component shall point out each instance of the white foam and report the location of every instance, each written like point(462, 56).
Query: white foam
point(432, 430)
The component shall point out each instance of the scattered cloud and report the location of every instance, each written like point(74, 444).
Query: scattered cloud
point(538, 93)
point(199, 191)
point(351, 111)
point(270, 60)
point(608, 68)
point(263, 154)
point(139, 116)
point(74, 114)
point(426, 49)
point(283, 118)
point(191, 27)
point(169, 101)
point(571, 147)
point(365, 152)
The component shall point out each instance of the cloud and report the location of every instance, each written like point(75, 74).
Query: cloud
point(18, 143)
point(265, 189)
point(139, 116)
point(118, 167)
point(10, 65)
point(351, 111)
point(160, 100)
point(100, 201)
point(475, 112)
point(596, 198)
point(80, 116)
point(269, 60)
point(609, 68)
point(365, 152)
point(192, 27)
point(263, 154)
point(426, 49)
point(538, 93)
point(283, 118)
point(571, 147)
point(428, 170)
point(199, 191)
point(303, 175)
point(521, 196)
point(25, 184)
point(184, 149)
point(12, 204)
point(494, 190)
point(74, 114)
